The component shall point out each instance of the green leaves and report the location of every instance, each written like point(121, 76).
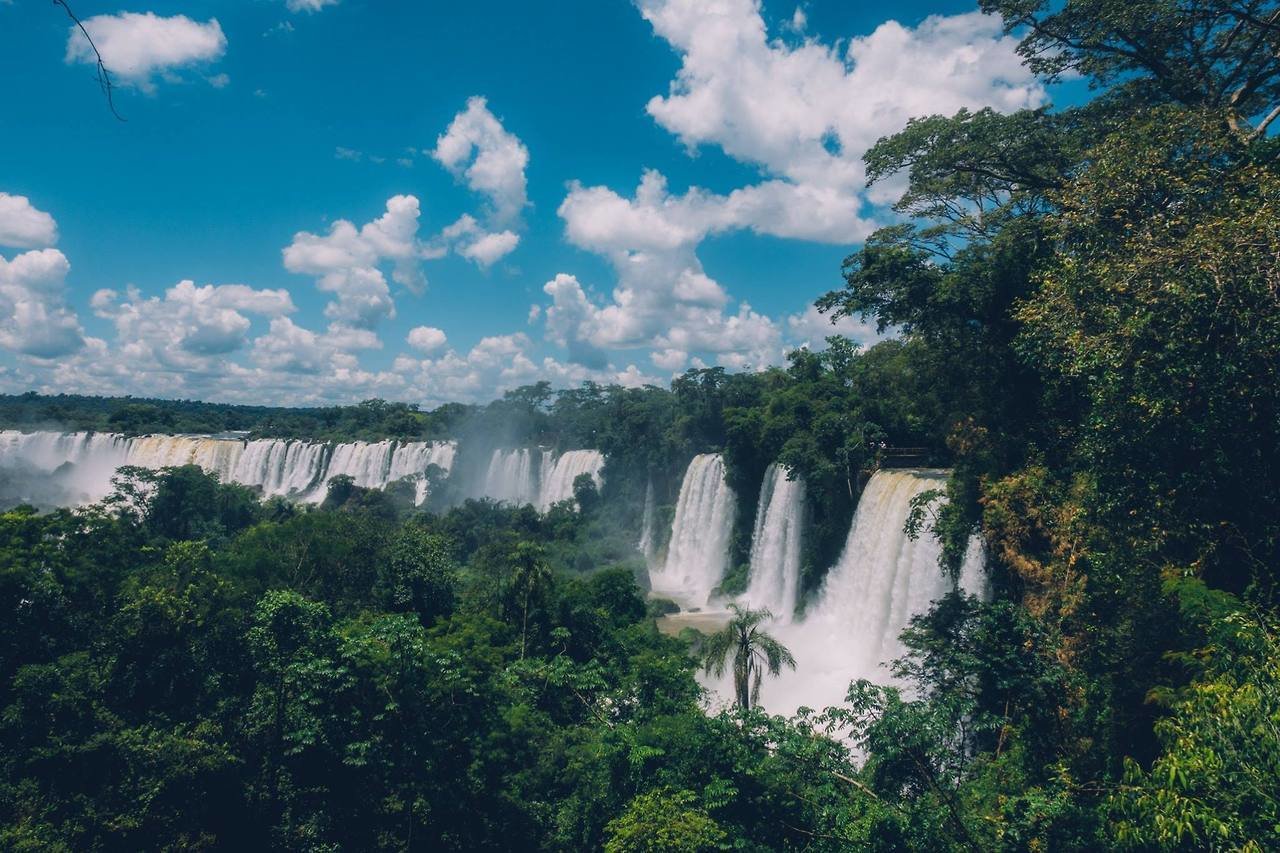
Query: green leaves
point(1214, 785)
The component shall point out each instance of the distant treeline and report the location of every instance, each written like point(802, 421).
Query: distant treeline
point(372, 419)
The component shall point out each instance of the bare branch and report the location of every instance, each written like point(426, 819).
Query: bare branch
point(104, 76)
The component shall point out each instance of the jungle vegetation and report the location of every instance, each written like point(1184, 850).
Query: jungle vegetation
point(1086, 302)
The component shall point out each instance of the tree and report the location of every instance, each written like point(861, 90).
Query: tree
point(1219, 55)
point(1215, 784)
point(664, 820)
point(754, 652)
point(419, 575)
point(530, 578)
point(586, 493)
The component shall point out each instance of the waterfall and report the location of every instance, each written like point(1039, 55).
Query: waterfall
point(537, 476)
point(413, 459)
point(558, 476)
point(880, 581)
point(699, 550)
point(510, 477)
point(647, 545)
point(278, 467)
point(366, 464)
point(81, 464)
point(57, 468)
point(774, 578)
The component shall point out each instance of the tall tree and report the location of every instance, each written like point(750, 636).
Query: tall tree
point(754, 652)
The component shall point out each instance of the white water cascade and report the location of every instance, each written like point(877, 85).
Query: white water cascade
point(881, 580)
point(558, 475)
point(538, 477)
point(647, 544)
point(415, 459)
point(279, 467)
point(698, 553)
point(83, 463)
point(511, 477)
point(774, 578)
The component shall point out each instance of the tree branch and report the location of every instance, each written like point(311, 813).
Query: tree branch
point(104, 76)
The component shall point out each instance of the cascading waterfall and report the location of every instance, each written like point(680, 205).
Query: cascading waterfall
point(558, 475)
point(414, 459)
point(279, 467)
point(366, 464)
point(647, 546)
point(511, 477)
point(698, 553)
point(83, 463)
point(537, 476)
point(774, 578)
point(881, 580)
point(71, 468)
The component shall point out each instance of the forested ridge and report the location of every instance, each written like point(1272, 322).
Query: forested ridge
point(1086, 303)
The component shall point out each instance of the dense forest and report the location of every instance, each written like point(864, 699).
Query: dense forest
point(1086, 303)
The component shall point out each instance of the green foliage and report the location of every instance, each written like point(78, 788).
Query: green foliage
point(1214, 784)
point(664, 820)
point(1087, 330)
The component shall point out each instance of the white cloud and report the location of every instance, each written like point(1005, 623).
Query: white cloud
point(811, 329)
point(139, 47)
point(500, 158)
point(346, 262)
point(496, 364)
point(426, 338)
point(808, 112)
point(34, 317)
point(804, 114)
point(470, 240)
point(490, 248)
point(22, 226)
point(290, 348)
point(309, 5)
point(190, 328)
point(799, 20)
point(654, 307)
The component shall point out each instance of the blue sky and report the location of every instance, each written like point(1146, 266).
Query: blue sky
point(590, 189)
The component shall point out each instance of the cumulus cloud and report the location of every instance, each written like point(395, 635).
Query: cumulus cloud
point(139, 47)
point(672, 312)
point(491, 247)
point(467, 238)
point(189, 327)
point(426, 338)
point(498, 363)
point(22, 226)
point(346, 262)
point(492, 160)
point(808, 112)
point(802, 112)
point(809, 328)
point(34, 317)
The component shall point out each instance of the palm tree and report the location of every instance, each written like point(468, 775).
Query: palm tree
point(753, 650)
